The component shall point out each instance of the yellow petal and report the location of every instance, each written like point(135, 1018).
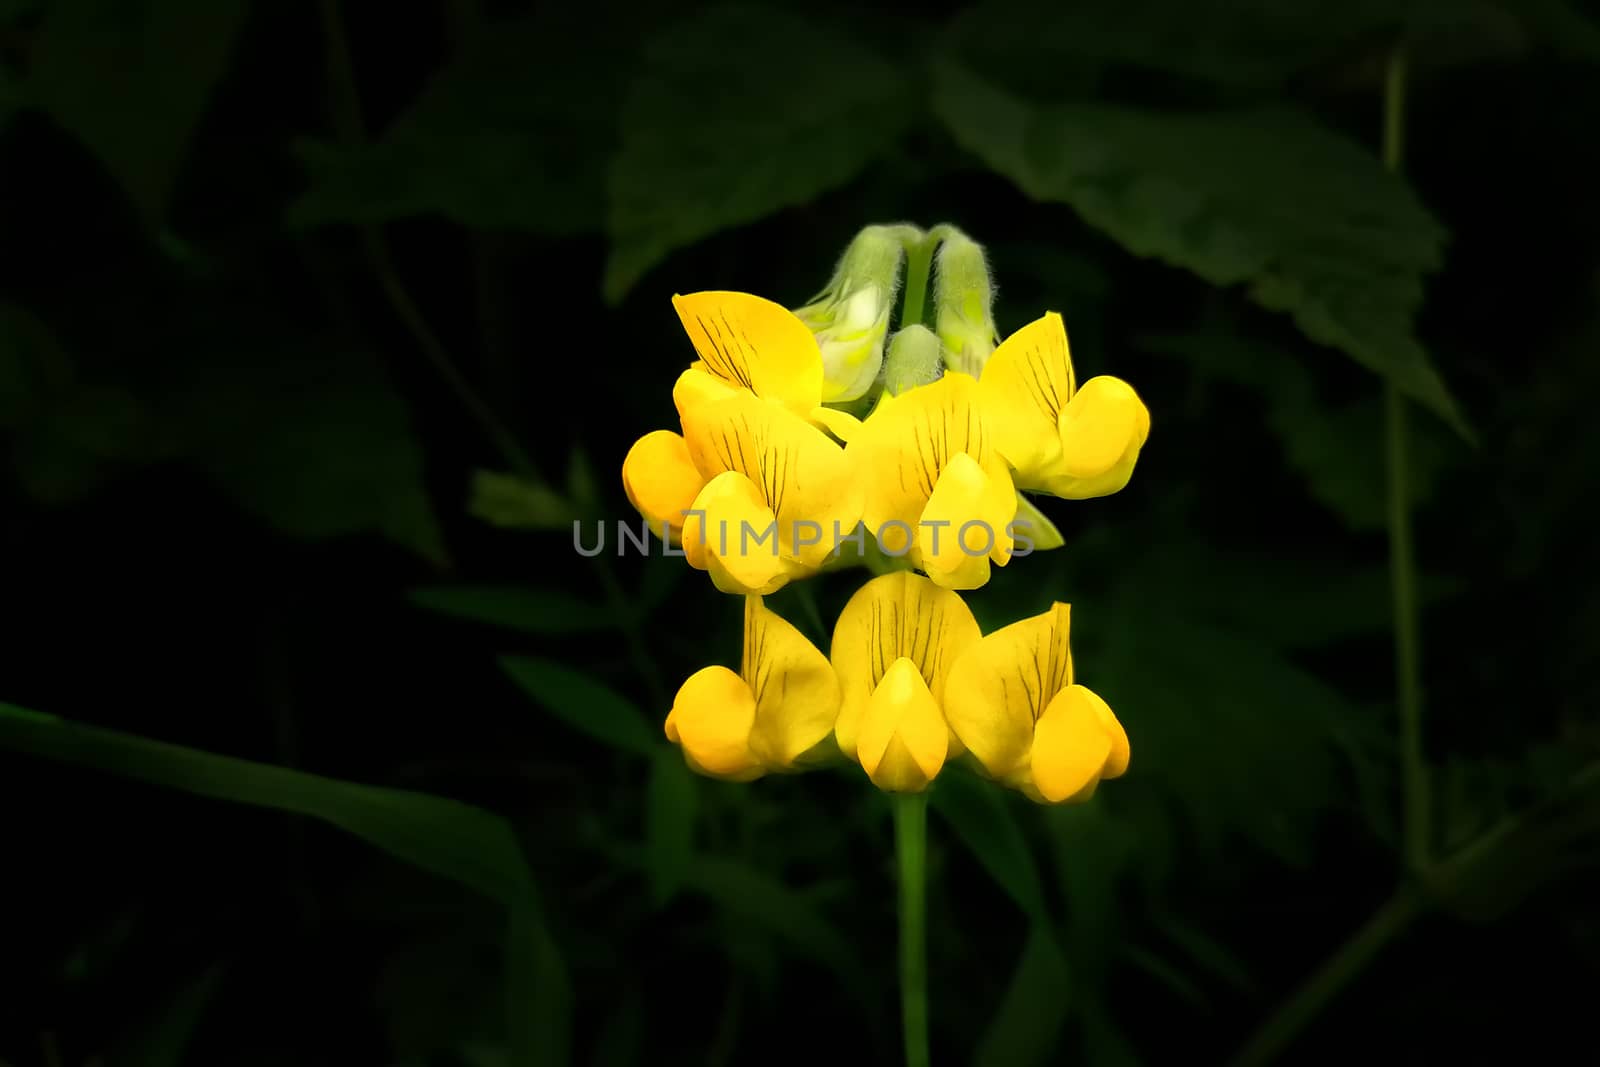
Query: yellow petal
point(752, 342)
point(965, 522)
point(999, 686)
point(1117, 762)
point(1026, 384)
point(711, 719)
point(905, 445)
point(697, 386)
point(1070, 746)
point(895, 616)
point(734, 533)
point(796, 691)
point(660, 479)
point(841, 424)
point(903, 740)
point(801, 476)
point(1102, 431)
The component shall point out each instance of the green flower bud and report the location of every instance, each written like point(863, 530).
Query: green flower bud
point(850, 318)
point(964, 303)
point(915, 358)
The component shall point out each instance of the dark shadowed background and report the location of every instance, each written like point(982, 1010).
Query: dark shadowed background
point(320, 323)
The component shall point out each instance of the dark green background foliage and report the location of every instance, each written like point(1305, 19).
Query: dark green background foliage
point(320, 323)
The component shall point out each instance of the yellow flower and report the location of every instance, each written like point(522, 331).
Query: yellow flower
point(892, 648)
point(1070, 441)
point(766, 718)
point(1012, 701)
point(755, 494)
point(748, 343)
point(935, 488)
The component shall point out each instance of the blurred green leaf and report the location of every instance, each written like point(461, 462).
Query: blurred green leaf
point(583, 703)
point(162, 1042)
point(1167, 973)
point(1026, 1027)
point(1304, 601)
point(498, 139)
point(1237, 44)
point(514, 503)
point(782, 913)
point(317, 441)
point(154, 63)
point(1337, 448)
point(977, 811)
point(671, 804)
point(620, 1042)
point(448, 838)
point(1204, 952)
point(698, 156)
point(84, 439)
point(547, 612)
point(432, 991)
point(662, 576)
point(12, 11)
point(1556, 834)
point(71, 435)
point(1223, 194)
point(9, 97)
point(1214, 713)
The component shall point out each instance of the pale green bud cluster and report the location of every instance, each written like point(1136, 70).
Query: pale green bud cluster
point(850, 318)
point(963, 302)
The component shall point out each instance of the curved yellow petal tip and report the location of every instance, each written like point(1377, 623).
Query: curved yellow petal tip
point(1074, 746)
point(660, 479)
point(903, 740)
point(711, 720)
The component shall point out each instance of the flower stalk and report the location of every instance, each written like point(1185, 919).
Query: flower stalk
point(1402, 568)
point(919, 265)
point(911, 849)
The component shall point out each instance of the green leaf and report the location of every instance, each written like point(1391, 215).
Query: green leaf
point(1250, 44)
point(35, 371)
point(1337, 448)
point(154, 63)
point(9, 97)
point(71, 435)
point(1027, 1026)
point(781, 912)
point(162, 1043)
point(671, 804)
point(315, 440)
point(1204, 952)
point(450, 839)
point(978, 813)
point(812, 108)
point(514, 503)
point(1224, 194)
point(547, 612)
point(511, 134)
point(583, 703)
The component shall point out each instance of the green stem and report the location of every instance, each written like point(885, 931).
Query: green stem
point(1402, 569)
point(1319, 990)
point(911, 848)
point(348, 123)
point(1359, 949)
point(919, 264)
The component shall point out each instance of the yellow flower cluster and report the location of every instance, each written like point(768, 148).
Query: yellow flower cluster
point(765, 484)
